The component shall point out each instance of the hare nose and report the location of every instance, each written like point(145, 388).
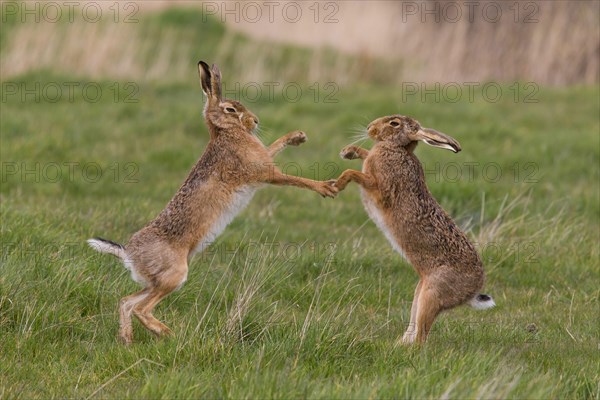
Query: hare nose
point(255, 121)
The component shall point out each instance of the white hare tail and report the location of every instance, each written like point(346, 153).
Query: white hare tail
point(107, 246)
point(481, 302)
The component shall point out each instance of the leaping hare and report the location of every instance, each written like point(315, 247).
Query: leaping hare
point(397, 199)
point(233, 166)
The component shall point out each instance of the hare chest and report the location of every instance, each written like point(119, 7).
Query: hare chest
point(238, 201)
point(378, 218)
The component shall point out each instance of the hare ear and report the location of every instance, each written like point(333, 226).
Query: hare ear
point(437, 139)
point(216, 81)
point(205, 78)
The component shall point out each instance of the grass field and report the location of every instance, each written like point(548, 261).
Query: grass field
point(301, 296)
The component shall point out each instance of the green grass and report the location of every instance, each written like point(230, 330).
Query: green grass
point(300, 296)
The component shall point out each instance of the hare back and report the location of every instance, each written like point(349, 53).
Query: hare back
point(409, 216)
point(195, 217)
point(179, 232)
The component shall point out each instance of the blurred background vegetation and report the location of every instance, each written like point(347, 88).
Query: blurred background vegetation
point(548, 42)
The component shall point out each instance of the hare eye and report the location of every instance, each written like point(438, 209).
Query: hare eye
point(230, 109)
point(394, 123)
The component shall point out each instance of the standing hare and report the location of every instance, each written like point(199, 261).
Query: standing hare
point(233, 166)
point(397, 199)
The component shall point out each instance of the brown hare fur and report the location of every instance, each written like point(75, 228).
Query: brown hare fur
point(397, 199)
point(233, 166)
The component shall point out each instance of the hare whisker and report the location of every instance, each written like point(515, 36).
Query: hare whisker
point(360, 140)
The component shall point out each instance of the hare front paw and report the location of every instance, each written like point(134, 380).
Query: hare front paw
point(327, 188)
point(340, 184)
point(349, 153)
point(296, 138)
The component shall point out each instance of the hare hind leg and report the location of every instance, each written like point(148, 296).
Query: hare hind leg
point(167, 283)
point(126, 307)
point(428, 309)
point(143, 312)
point(411, 332)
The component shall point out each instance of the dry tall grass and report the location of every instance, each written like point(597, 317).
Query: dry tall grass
point(383, 41)
point(559, 44)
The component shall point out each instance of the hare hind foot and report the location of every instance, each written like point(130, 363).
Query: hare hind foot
point(152, 324)
point(410, 336)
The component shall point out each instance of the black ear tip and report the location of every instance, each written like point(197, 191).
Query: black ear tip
point(204, 66)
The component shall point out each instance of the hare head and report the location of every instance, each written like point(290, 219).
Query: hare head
point(405, 131)
point(223, 114)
